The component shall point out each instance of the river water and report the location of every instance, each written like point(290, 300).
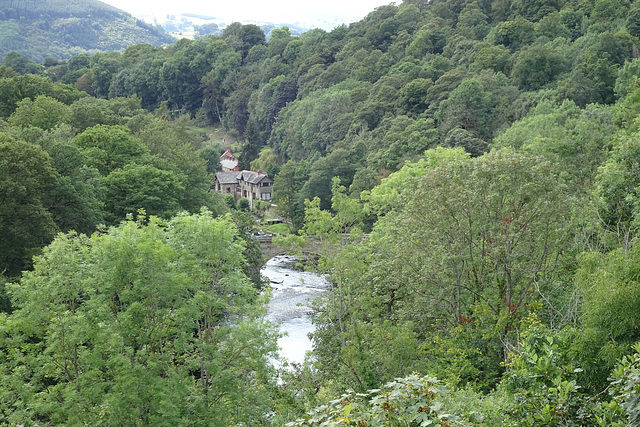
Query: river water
point(290, 305)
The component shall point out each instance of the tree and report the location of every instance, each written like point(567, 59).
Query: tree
point(104, 67)
point(536, 66)
point(286, 186)
point(459, 137)
point(617, 189)
point(473, 22)
point(15, 89)
point(243, 204)
point(150, 324)
point(468, 107)
point(26, 177)
point(21, 64)
point(145, 187)
point(575, 140)
point(473, 247)
point(337, 164)
point(267, 158)
point(609, 283)
point(396, 187)
point(174, 146)
point(44, 112)
point(497, 58)
point(226, 61)
point(250, 35)
point(75, 198)
point(600, 62)
point(414, 95)
point(514, 34)
point(110, 147)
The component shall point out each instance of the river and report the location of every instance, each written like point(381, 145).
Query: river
point(290, 305)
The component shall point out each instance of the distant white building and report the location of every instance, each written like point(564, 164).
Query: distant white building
point(228, 161)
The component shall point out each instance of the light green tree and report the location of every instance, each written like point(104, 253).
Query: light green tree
point(142, 324)
point(111, 147)
point(44, 112)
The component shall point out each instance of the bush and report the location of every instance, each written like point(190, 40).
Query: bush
point(409, 401)
point(243, 204)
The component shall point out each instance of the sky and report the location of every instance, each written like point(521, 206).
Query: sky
point(275, 11)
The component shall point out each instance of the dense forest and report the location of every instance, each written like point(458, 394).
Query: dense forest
point(471, 170)
point(61, 29)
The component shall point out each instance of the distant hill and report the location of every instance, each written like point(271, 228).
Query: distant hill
point(63, 28)
point(194, 25)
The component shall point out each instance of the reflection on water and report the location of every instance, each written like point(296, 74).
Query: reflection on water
point(290, 305)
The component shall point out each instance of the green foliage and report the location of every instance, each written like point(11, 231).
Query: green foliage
point(576, 140)
point(544, 382)
point(108, 148)
point(388, 195)
point(626, 387)
point(145, 187)
point(38, 29)
point(611, 301)
point(462, 249)
point(247, 228)
point(537, 66)
point(243, 204)
point(21, 64)
point(514, 34)
point(468, 107)
point(43, 112)
point(26, 179)
point(75, 201)
point(410, 401)
point(616, 187)
point(137, 324)
point(15, 89)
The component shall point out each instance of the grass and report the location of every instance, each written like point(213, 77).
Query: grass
point(282, 229)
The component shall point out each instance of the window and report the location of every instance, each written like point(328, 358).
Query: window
point(266, 196)
point(266, 184)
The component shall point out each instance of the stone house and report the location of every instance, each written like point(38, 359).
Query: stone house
point(252, 185)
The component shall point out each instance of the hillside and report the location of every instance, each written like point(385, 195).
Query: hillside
point(470, 172)
point(61, 29)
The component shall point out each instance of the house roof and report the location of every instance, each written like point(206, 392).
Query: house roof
point(228, 156)
point(227, 177)
point(234, 177)
point(252, 177)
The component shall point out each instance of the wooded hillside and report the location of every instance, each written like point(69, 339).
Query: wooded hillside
point(61, 29)
point(482, 155)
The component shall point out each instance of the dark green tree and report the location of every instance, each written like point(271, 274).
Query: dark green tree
point(537, 66)
point(145, 187)
point(26, 178)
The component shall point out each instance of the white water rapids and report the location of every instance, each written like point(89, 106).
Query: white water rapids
point(290, 305)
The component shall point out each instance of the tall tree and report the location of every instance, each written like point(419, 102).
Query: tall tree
point(26, 178)
point(141, 324)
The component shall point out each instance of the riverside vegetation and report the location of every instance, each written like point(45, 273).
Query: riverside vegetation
point(471, 169)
